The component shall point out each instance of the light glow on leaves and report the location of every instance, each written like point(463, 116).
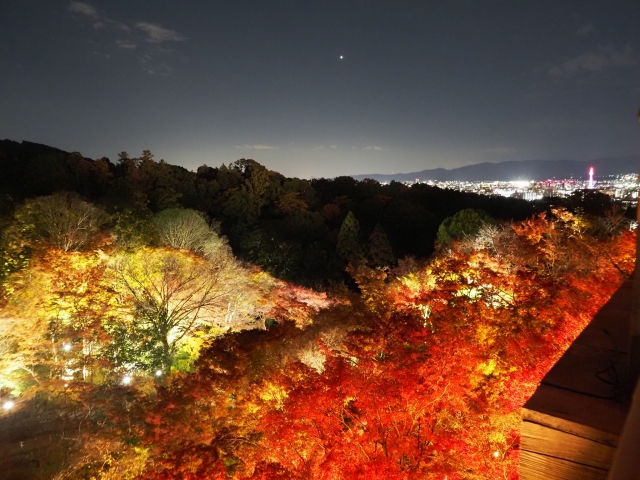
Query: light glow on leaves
point(273, 394)
point(422, 375)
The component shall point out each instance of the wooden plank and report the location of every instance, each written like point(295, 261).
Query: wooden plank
point(601, 414)
point(589, 370)
point(547, 441)
point(570, 427)
point(626, 464)
point(610, 326)
point(534, 466)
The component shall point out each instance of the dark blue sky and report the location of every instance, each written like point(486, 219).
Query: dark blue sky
point(421, 84)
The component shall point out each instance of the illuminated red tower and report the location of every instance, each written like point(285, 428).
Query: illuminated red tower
point(591, 178)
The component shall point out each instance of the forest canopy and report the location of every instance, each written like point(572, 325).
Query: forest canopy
point(287, 226)
point(157, 323)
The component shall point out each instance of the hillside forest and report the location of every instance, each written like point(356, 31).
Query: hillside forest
point(232, 323)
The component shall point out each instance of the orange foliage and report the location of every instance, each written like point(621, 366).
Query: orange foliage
point(428, 386)
point(422, 376)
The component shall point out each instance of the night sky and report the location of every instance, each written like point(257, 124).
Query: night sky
point(323, 88)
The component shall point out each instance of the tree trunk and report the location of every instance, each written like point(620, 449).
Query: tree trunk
point(167, 356)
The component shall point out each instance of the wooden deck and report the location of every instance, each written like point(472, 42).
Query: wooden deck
point(571, 425)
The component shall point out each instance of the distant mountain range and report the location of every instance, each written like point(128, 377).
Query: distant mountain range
point(523, 170)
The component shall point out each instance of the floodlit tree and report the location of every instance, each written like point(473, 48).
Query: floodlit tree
point(23, 348)
point(465, 223)
point(63, 219)
point(134, 229)
point(50, 324)
point(170, 296)
point(187, 229)
point(456, 343)
point(15, 252)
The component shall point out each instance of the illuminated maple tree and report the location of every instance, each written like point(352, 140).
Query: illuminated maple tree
point(420, 375)
point(430, 382)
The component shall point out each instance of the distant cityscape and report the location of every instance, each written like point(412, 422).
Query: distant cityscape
point(623, 188)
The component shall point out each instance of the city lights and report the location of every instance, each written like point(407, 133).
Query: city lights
point(623, 188)
point(520, 183)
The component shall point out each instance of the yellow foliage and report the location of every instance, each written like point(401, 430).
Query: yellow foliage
point(497, 437)
point(486, 334)
point(252, 408)
point(274, 395)
point(488, 367)
point(412, 283)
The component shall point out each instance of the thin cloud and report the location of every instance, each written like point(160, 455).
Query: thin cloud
point(144, 37)
point(373, 147)
point(119, 25)
point(158, 34)
point(163, 69)
point(83, 9)
point(152, 32)
point(601, 59)
point(126, 45)
point(100, 54)
point(106, 23)
point(256, 147)
point(585, 30)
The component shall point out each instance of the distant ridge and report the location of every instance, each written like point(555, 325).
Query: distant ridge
point(524, 170)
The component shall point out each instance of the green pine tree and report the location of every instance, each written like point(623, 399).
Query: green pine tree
point(380, 251)
point(349, 246)
point(465, 223)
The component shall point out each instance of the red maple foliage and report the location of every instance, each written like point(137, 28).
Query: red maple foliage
point(427, 385)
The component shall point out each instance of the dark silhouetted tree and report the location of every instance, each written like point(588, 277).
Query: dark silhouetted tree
point(380, 251)
point(348, 244)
